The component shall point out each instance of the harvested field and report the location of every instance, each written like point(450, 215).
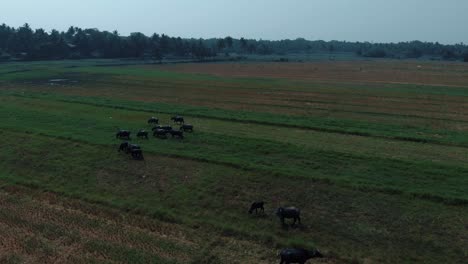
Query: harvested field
point(373, 152)
point(388, 72)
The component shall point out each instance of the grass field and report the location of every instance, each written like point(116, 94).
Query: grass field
point(374, 154)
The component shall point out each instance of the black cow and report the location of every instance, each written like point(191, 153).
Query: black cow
point(167, 128)
point(160, 133)
point(298, 255)
point(255, 206)
point(289, 212)
point(153, 120)
point(142, 134)
point(124, 146)
point(186, 128)
point(123, 134)
point(137, 154)
point(177, 119)
point(176, 133)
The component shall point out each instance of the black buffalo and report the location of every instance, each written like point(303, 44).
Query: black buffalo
point(186, 128)
point(167, 128)
point(289, 212)
point(160, 133)
point(142, 134)
point(177, 119)
point(255, 206)
point(176, 133)
point(123, 134)
point(123, 146)
point(298, 255)
point(153, 120)
point(137, 154)
point(132, 147)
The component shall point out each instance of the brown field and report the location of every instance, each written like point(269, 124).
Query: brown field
point(42, 227)
point(398, 72)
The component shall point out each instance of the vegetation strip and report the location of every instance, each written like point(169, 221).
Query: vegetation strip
point(356, 128)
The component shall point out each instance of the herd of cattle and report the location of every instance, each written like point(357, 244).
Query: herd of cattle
point(159, 131)
point(288, 255)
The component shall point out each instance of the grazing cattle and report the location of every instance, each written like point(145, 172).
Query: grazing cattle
point(255, 206)
point(153, 120)
point(132, 147)
point(160, 133)
point(289, 212)
point(177, 119)
point(167, 128)
point(175, 133)
point(137, 154)
point(123, 134)
point(123, 146)
point(298, 255)
point(142, 134)
point(186, 128)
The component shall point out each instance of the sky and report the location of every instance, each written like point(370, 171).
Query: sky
point(444, 21)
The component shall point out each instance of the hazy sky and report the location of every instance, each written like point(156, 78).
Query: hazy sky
point(445, 21)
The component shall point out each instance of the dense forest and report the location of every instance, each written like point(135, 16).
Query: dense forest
point(24, 43)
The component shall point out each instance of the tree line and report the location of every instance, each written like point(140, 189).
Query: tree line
point(76, 43)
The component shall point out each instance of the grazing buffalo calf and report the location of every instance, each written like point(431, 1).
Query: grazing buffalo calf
point(289, 212)
point(123, 134)
point(142, 134)
point(175, 133)
point(186, 128)
point(167, 128)
point(123, 146)
point(177, 119)
point(153, 120)
point(298, 255)
point(255, 206)
point(137, 154)
point(160, 133)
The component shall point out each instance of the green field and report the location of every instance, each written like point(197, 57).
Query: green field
point(378, 168)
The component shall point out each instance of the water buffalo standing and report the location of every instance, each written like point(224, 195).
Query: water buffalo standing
point(123, 134)
point(255, 206)
point(153, 120)
point(176, 133)
point(289, 212)
point(142, 134)
point(132, 147)
point(298, 255)
point(186, 128)
point(167, 128)
point(123, 146)
point(177, 119)
point(160, 133)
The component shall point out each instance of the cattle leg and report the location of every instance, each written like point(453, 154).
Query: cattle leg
point(299, 219)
